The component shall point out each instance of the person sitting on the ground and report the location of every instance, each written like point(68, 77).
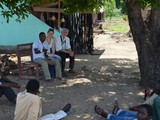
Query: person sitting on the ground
point(142, 112)
point(6, 88)
point(156, 109)
point(154, 100)
point(63, 49)
point(29, 105)
point(150, 96)
point(50, 44)
point(40, 56)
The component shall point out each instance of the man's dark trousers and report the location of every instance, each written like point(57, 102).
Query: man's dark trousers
point(63, 61)
point(8, 92)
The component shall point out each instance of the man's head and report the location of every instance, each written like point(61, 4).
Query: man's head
point(42, 36)
point(144, 112)
point(32, 86)
point(50, 33)
point(64, 32)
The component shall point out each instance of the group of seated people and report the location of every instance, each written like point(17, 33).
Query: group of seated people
point(53, 51)
point(30, 103)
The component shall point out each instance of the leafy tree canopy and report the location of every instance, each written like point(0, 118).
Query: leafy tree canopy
point(20, 8)
point(72, 6)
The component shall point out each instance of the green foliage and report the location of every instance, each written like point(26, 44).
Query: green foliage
point(110, 9)
point(142, 3)
point(119, 28)
point(121, 5)
point(117, 24)
point(19, 8)
point(72, 6)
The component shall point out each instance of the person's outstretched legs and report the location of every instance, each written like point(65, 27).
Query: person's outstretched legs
point(44, 64)
point(58, 115)
point(10, 94)
point(120, 115)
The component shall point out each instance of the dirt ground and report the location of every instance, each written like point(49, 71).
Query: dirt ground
point(99, 80)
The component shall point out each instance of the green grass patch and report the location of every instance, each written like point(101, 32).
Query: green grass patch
point(122, 28)
point(117, 24)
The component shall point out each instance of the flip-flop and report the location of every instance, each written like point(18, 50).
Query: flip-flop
point(67, 107)
point(97, 111)
point(116, 107)
point(100, 111)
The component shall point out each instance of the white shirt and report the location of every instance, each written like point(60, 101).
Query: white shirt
point(150, 100)
point(48, 46)
point(39, 45)
point(63, 44)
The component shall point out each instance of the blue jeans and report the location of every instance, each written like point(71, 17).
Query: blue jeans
point(52, 71)
point(56, 57)
point(123, 115)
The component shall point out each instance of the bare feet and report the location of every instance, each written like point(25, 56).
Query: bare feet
point(101, 112)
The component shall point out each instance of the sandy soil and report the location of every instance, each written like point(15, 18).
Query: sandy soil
point(100, 79)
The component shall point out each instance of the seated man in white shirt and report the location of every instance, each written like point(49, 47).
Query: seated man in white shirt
point(29, 105)
point(6, 88)
point(40, 56)
point(63, 49)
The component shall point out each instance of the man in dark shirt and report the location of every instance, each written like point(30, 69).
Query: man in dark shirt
point(6, 88)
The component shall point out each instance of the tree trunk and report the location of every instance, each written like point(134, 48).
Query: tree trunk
point(146, 36)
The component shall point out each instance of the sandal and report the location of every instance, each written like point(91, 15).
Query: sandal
point(100, 111)
point(67, 108)
point(116, 107)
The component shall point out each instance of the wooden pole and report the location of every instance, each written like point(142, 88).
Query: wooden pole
point(59, 5)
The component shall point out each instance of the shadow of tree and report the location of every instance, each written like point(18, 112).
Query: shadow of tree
point(97, 81)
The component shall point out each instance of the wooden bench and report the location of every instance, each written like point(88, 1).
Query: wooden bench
point(25, 50)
